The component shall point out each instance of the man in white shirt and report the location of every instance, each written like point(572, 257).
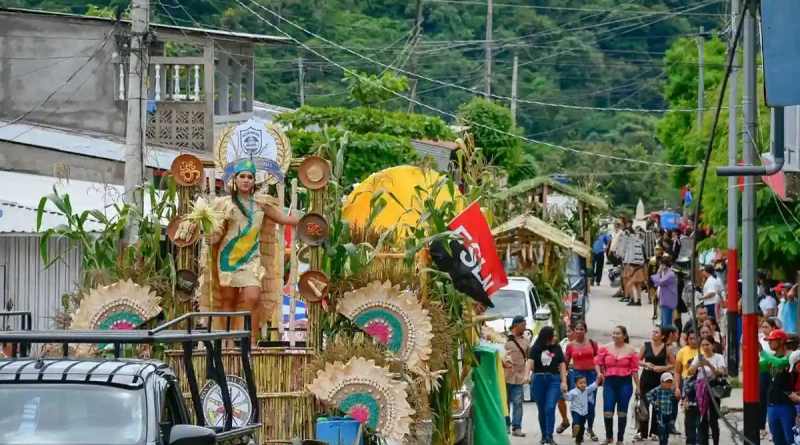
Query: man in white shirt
point(712, 291)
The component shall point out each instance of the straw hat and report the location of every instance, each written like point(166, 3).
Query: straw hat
point(314, 172)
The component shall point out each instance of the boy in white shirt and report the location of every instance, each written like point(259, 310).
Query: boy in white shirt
point(579, 405)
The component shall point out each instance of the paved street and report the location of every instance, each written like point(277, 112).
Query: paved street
point(605, 313)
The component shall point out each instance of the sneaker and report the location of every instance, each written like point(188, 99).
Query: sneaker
point(632, 303)
point(518, 433)
point(508, 429)
point(674, 431)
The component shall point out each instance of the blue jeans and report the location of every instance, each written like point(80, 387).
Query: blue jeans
point(591, 377)
point(579, 421)
point(515, 405)
point(781, 420)
point(617, 393)
point(666, 315)
point(546, 390)
point(712, 310)
point(664, 421)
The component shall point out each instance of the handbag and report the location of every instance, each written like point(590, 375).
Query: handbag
point(641, 411)
point(721, 388)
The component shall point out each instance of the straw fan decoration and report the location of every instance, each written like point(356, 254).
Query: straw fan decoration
point(395, 318)
point(367, 393)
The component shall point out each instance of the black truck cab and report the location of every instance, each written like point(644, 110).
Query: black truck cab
point(116, 401)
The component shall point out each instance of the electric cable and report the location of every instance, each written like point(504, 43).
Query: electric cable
point(574, 107)
point(698, 207)
point(69, 79)
point(444, 113)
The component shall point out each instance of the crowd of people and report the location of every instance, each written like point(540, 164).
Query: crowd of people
point(682, 367)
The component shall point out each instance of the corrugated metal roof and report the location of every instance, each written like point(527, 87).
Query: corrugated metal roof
point(29, 189)
point(440, 154)
point(15, 218)
point(86, 144)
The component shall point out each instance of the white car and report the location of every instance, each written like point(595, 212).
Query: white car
point(518, 297)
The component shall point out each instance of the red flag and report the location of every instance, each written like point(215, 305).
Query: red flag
point(480, 252)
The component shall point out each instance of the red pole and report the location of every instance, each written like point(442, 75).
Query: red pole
point(733, 312)
point(752, 406)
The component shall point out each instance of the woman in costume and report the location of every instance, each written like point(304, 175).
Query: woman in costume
point(237, 246)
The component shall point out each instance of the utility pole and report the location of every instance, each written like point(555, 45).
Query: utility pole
point(733, 203)
point(487, 81)
point(700, 81)
point(514, 89)
point(136, 123)
point(415, 56)
point(302, 78)
point(749, 317)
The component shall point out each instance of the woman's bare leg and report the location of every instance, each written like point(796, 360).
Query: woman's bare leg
point(252, 298)
point(229, 296)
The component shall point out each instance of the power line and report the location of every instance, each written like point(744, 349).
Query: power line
point(471, 90)
point(444, 113)
point(69, 79)
point(563, 8)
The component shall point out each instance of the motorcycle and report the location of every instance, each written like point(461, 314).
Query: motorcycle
point(579, 299)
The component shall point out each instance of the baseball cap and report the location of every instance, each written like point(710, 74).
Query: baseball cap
point(667, 376)
point(782, 286)
point(794, 357)
point(777, 334)
point(517, 320)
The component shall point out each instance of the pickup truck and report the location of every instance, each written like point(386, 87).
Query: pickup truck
point(121, 401)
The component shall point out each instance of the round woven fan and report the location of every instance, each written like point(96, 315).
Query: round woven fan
point(367, 393)
point(395, 318)
point(122, 306)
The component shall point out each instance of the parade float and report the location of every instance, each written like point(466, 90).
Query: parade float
point(388, 303)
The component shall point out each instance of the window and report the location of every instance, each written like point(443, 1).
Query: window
point(35, 414)
point(508, 303)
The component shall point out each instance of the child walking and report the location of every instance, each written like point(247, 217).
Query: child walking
point(661, 397)
point(579, 398)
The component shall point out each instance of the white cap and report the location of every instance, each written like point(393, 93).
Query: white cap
point(794, 357)
point(666, 376)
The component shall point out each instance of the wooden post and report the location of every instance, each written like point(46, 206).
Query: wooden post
point(292, 268)
point(280, 254)
point(314, 310)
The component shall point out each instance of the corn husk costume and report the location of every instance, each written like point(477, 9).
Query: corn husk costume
point(243, 255)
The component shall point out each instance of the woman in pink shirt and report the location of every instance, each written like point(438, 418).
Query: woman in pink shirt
point(619, 374)
point(579, 356)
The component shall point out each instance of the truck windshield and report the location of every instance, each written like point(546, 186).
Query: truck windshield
point(508, 303)
point(55, 413)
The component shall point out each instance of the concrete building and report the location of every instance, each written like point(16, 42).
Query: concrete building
point(63, 106)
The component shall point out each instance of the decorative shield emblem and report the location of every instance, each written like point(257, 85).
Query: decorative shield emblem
point(265, 144)
point(214, 410)
point(250, 140)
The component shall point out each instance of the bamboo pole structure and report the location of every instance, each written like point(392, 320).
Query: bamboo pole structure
point(293, 269)
point(280, 257)
point(314, 310)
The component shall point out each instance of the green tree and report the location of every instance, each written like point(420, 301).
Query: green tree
point(495, 133)
point(376, 138)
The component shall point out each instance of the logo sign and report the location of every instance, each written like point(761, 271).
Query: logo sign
point(264, 144)
point(214, 409)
